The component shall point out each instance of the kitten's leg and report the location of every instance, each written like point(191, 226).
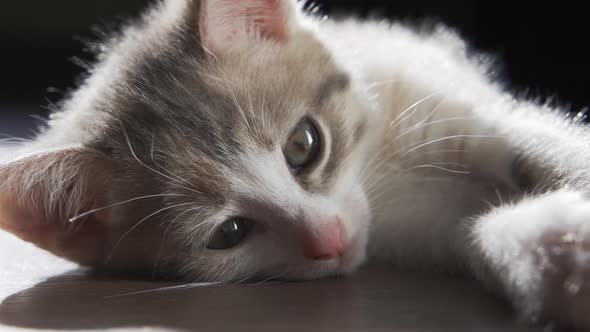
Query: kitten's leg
point(538, 252)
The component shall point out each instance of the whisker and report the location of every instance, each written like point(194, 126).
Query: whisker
point(153, 159)
point(13, 141)
point(370, 167)
point(241, 110)
point(179, 178)
point(160, 289)
point(424, 125)
point(422, 153)
point(434, 109)
point(141, 222)
point(239, 281)
point(412, 108)
point(499, 195)
point(448, 138)
point(12, 137)
point(165, 236)
point(82, 215)
point(40, 118)
point(438, 167)
point(385, 82)
point(150, 168)
point(152, 149)
point(273, 277)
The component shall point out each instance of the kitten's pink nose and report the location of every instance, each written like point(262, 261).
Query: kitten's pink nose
point(327, 244)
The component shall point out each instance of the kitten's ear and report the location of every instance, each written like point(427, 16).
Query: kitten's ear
point(38, 193)
point(226, 24)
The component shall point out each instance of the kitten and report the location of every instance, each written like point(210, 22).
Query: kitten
point(226, 140)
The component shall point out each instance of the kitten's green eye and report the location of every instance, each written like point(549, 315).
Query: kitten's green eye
point(230, 234)
point(303, 145)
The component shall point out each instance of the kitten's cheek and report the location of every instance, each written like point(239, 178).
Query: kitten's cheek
point(357, 222)
point(358, 216)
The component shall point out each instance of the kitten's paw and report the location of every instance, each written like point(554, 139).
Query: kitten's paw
point(541, 250)
point(561, 254)
point(563, 257)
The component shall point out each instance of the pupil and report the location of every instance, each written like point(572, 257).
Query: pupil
point(302, 147)
point(230, 234)
point(232, 231)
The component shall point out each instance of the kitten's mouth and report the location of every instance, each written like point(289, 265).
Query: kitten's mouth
point(347, 263)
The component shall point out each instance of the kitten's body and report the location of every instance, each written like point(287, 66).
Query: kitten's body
point(448, 168)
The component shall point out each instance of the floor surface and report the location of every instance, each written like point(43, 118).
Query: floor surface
point(39, 291)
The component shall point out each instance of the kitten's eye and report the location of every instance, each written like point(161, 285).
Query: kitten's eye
point(230, 234)
point(303, 146)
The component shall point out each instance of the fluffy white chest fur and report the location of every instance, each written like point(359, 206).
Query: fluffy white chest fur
point(228, 140)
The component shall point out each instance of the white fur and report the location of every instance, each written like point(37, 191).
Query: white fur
point(270, 195)
point(540, 251)
point(433, 96)
point(432, 182)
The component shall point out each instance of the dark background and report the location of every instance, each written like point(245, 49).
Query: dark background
point(541, 45)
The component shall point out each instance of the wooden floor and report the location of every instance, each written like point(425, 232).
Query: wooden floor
point(38, 291)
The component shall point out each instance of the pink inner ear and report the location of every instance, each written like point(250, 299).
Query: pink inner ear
point(225, 23)
point(18, 221)
point(31, 209)
point(82, 243)
point(268, 21)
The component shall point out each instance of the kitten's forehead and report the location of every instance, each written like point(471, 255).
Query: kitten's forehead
point(199, 116)
point(272, 87)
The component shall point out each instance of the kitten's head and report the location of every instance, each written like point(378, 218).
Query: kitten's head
point(225, 142)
